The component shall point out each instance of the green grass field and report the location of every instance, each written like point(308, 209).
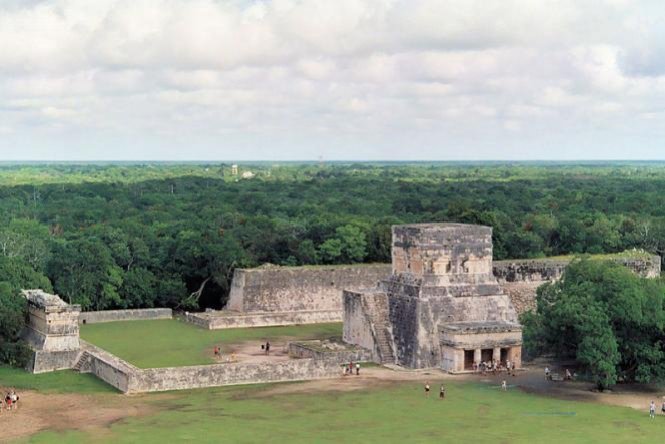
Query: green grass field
point(65, 381)
point(471, 413)
point(172, 343)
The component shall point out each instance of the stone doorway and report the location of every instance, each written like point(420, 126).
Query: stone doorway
point(504, 355)
point(468, 359)
point(486, 355)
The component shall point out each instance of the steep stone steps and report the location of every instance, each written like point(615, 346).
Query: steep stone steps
point(377, 310)
point(83, 359)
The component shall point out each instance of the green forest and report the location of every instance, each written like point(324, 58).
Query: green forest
point(158, 234)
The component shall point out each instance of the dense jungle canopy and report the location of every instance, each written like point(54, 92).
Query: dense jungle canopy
point(158, 234)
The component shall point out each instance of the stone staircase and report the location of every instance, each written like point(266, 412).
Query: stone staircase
point(81, 365)
point(376, 307)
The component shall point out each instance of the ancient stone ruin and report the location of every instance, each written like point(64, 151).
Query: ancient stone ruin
point(441, 307)
point(52, 331)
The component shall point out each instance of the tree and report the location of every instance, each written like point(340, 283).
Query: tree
point(85, 273)
point(608, 318)
point(15, 275)
point(138, 288)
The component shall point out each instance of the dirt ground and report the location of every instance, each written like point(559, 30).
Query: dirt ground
point(38, 411)
point(250, 352)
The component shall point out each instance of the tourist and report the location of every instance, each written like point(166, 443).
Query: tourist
point(662, 409)
point(267, 347)
point(14, 398)
point(427, 389)
point(216, 350)
point(652, 409)
point(504, 386)
point(547, 373)
point(569, 377)
point(442, 392)
point(357, 368)
point(8, 401)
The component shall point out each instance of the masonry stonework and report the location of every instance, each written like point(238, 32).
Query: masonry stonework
point(441, 298)
point(52, 331)
point(142, 314)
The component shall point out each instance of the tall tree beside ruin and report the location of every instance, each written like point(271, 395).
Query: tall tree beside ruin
point(607, 318)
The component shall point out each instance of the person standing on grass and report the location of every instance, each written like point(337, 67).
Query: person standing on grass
point(547, 373)
point(357, 368)
point(427, 389)
point(442, 392)
point(652, 409)
point(504, 386)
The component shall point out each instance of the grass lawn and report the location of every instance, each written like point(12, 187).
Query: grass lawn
point(171, 343)
point(400, 413)
point(65, 381)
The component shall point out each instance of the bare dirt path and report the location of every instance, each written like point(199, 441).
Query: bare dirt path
point(40, 411)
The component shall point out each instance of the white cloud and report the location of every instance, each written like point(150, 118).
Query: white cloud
point(368, 73)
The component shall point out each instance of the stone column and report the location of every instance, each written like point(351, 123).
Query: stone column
point(496, 354)
point(477, 356)
point(515, 354)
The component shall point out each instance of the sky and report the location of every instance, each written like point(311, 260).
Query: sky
point(332, 79)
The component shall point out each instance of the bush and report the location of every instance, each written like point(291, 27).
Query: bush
point(16, 354)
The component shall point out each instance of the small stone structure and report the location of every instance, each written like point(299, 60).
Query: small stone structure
point(441, 307)
point(52, 331)
point(330, 351)
point(273, 295)
point(141, 314)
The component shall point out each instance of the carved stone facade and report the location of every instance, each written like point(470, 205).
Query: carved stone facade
point(52, 331)
point(442, 302)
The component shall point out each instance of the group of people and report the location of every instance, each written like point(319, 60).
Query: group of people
point(11, 400)
point(442, 391)
point(494, 367)
point(348, 369)
point(266, 347)
point(566, 377)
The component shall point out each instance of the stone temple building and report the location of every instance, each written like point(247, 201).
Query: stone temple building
point(52, 331)
point(441, 307)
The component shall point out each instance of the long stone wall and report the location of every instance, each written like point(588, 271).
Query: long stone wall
point(178, 378)
point(521, 278)
point(93, 317)
point(223, 319)
point(130, 379)
point(284, 289)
